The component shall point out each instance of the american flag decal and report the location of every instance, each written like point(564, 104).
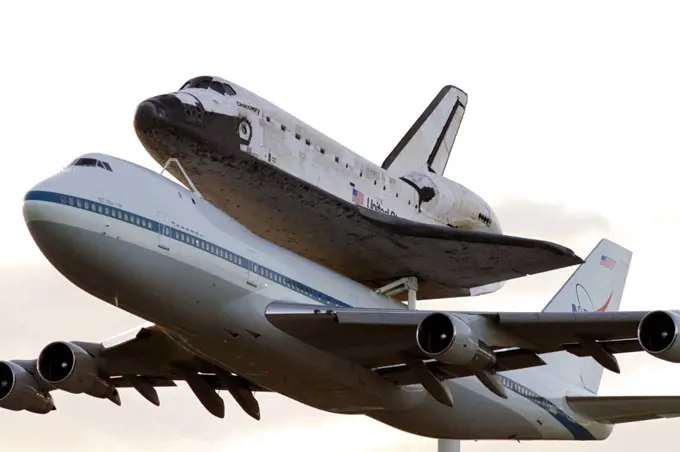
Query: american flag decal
point(357, 197)
point(607, 262)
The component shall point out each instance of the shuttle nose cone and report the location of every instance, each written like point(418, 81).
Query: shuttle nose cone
point(148, 113)
point(158, 110)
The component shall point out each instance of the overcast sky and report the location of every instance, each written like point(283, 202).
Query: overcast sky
point(570, 133)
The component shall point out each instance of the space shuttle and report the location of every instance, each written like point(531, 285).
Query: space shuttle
point(294, 186)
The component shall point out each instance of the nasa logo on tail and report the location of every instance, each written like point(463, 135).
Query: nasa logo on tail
point(585, 304)
point(583, 301)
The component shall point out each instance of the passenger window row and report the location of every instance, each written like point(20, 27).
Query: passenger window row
point(182, 228)
point(108, 211)
point(527, 393)
point(180, 236)
point(253, 267)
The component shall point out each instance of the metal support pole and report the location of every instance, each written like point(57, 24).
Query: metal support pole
point(412, 287)
point(411, 284)
point(448, 445)
point(184, 173)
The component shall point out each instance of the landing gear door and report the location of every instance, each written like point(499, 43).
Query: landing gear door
point(163, 231)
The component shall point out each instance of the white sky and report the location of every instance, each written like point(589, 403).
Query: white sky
point(570, 132)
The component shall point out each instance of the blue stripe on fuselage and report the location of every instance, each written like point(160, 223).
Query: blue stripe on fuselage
point(577, 430)
point(186, 238)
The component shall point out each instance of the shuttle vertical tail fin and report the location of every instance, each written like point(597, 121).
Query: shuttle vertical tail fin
point(596, 286)
point(427, 145)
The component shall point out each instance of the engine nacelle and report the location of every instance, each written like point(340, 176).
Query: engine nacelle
point(19, 390)
point(450, 202)
point(68, 367)
point(450, 340)
point(658, 335)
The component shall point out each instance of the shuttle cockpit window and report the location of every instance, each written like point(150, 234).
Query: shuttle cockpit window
point(209, 83)
point(198, 82)
point(217, 86)
point(228, 89)
point(86, 161)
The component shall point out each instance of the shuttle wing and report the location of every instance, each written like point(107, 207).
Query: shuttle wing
point(380, 339)
point(448, 261)
point(371, 247)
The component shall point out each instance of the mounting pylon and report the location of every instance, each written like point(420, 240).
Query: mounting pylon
point(448, 445)
point(410, 283)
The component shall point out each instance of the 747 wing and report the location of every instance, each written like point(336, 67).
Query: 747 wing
point(147, 359)
point(426, 347)
point(408, 346)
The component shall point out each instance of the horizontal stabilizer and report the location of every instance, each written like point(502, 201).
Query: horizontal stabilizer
point(619, 410)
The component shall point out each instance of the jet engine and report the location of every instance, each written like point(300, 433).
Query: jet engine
point(68, 367)
point(19, 390)
point(450, 340)
point(658, 335)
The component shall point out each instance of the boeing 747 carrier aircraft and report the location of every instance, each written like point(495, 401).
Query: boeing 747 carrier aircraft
point(232, 311)
point(299, 189)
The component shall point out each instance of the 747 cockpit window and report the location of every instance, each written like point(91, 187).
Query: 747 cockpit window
point(209, 83)
point(86, 161)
